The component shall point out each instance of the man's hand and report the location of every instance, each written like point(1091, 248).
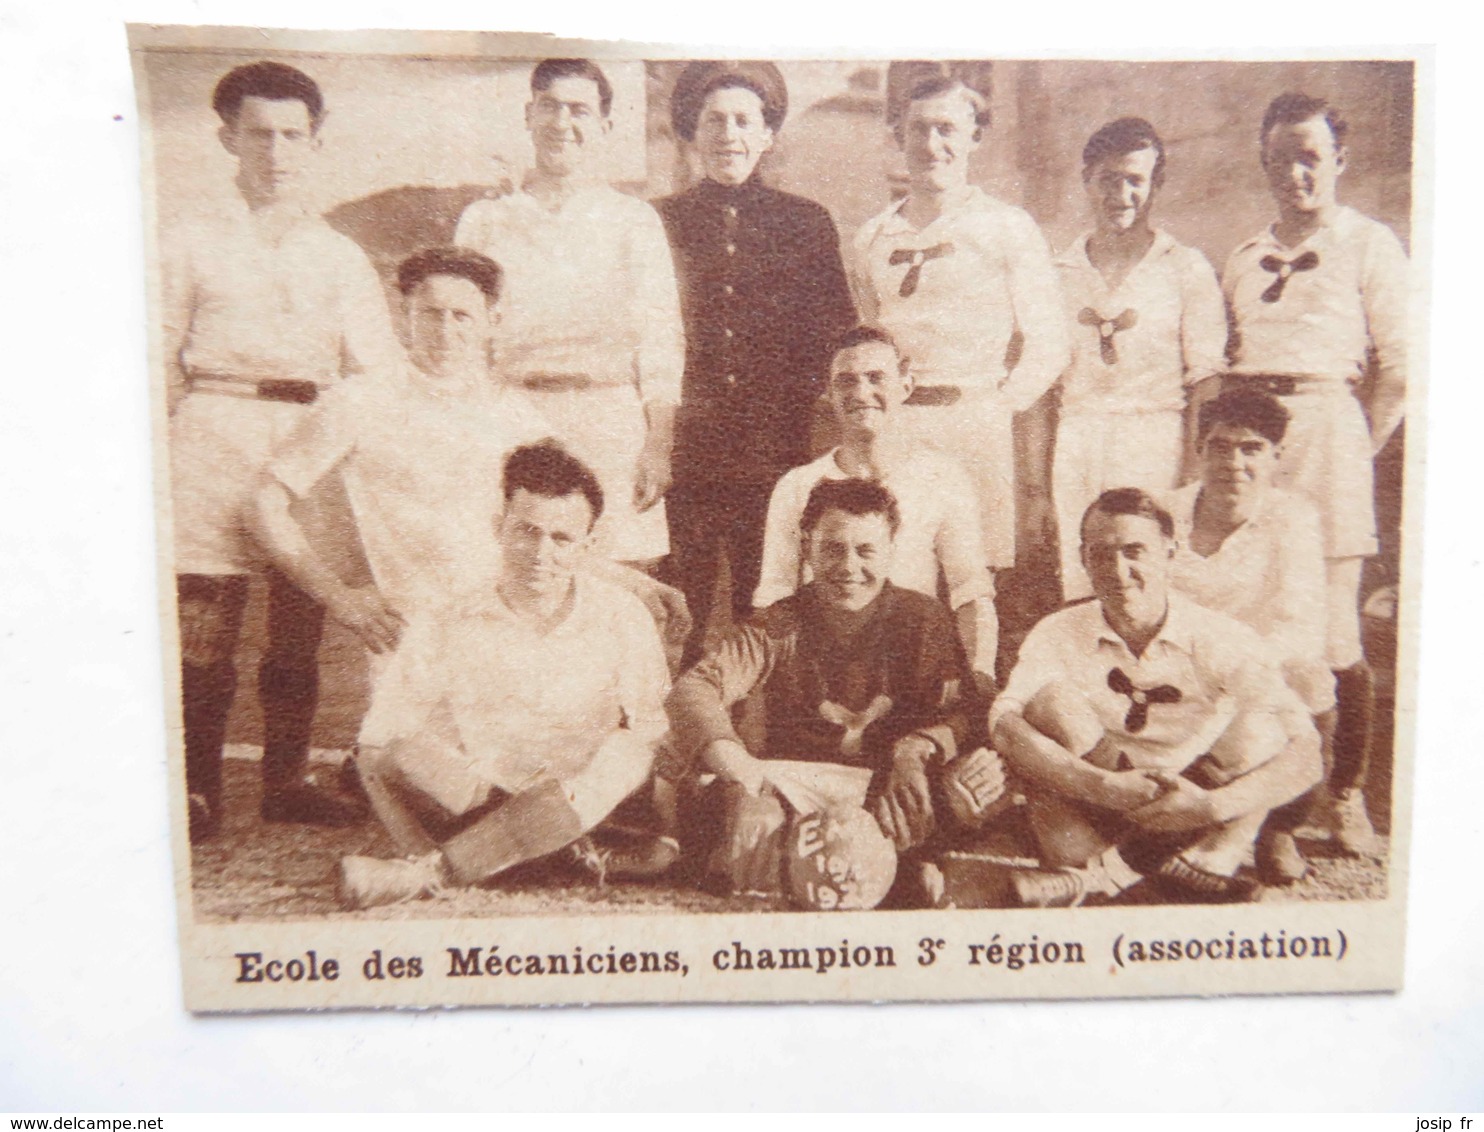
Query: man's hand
point(652, 477)
point(731, 761)
point(1126, 790)
point(750, 853)
point(1182, 807)
point(973, 783)
point(904, 811)
point(364, 613)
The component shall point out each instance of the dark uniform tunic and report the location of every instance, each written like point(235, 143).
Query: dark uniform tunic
point(764, 298)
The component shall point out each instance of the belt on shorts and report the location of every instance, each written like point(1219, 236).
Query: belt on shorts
point(545, 382)
point(1282, 384)
point(287, 390)
point(935, 395)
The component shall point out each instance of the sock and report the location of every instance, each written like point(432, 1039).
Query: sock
point(526, 826)
point(1118, 872)
point(1355, 693)
point(206, 700)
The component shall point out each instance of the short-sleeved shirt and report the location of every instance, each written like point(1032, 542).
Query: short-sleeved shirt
point(939, 533)
point(522, 702)
point(303, 305)
point(423, 462)
point(1269, 574)
point(1323, 320)
point(588, 289)
point(829, 699)
point(1200, 671)
point(1178, 335)
point(982, 272)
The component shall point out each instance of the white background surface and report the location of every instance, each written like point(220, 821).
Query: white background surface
point(90, 1011)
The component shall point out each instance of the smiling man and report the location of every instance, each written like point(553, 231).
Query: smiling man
point(1319, 302)
point(764, 295)
point(519, 717)
point(1148, 325)
point(939, 534)
point(955, 275)
point(860, 679)
point(266, 309)
point(1152, 735)
point(593, 334)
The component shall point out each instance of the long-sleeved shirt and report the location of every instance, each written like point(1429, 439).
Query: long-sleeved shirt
point(1317, 309)
point(829, 699)
point(954, 293)
point(1174, 334)
point(589, 289)
point(1269, 574)
point(765, 299)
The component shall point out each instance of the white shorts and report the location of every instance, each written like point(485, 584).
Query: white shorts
point(976, 431)
point(1096, 452)
point(604, 427)
point(1327, 457)
point(218, 447)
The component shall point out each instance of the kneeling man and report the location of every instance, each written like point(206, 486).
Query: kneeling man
point(864, 687)
point(1153, 735)
point(511, 724)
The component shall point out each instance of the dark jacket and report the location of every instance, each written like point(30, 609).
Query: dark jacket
point(781, 292)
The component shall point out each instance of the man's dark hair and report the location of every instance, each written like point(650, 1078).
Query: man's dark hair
point(1244, 408)
point(1292, 108)
point(480, 270)
point(549, 70)
point(277, 82)
point(942, 84)
point(1128, 501)
point(860, 335)
point(854, 497)
point(1117, 138)
point(546, 468)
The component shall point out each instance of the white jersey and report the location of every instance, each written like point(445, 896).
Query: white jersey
point(422, 460)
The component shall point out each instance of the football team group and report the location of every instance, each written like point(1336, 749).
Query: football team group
point(623, 620)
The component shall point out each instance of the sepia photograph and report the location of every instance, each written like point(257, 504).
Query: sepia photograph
point(687, 521)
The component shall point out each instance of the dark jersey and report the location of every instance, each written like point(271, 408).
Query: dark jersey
point(829, 698)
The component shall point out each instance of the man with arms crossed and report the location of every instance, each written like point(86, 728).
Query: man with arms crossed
point(266, 308)
point(954, 275)
point(939, 534)
point(1254, 551)
point(856, 674)
point(1147, 324)
point(764, 295)
point(1152, 735)
point(594, 333)
point(1314, 298)
point(516, 719)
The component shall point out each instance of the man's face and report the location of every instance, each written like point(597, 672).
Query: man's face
point(866, 386)
point(542, 539)
point(1303, 165)
point(273, 141)
point(938, 136)
point(566, 124)
point(1237, 461)
point(731, 135)
point(1121, 190)
point(1127, 559)
point(850, 556)
point(449, 325)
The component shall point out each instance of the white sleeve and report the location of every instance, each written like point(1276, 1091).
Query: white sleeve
point(474, 228)
point(783, 557)
point(644, 674)
point(1385, 292)
point(858, 274)
point(656, 299)
point(1203, 326)
point(1040, 315)
point(1037, 665)
point(368, 342)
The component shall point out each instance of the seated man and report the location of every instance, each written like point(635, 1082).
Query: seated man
point(1255, 551)
point(940, 533)
point(510, 724)
point(864, 685)
point(1153, 735)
